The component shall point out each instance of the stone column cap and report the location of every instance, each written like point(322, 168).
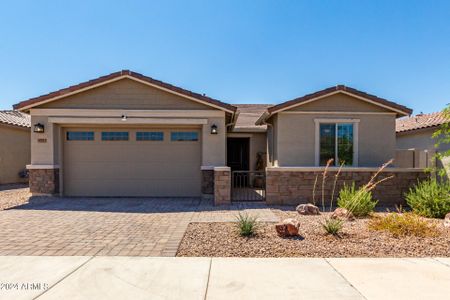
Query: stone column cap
point(222, 168)
point(42, 167)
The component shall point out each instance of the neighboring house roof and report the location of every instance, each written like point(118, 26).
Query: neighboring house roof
point(399, 109)
point(15, 118)
point(27, 104)
point(420, 121)
point(247, 116)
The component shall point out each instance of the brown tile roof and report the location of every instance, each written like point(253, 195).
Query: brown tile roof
point(15, 118)
point(420, 121)
point(248, 114)
point(401, 108)
point(99, 80)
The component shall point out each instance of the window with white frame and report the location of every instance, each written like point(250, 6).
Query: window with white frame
point(337, 139)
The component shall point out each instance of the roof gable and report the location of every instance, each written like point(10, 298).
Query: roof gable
point(92, 84)
point(339, 102)
point(400, 109)
point(126, 94)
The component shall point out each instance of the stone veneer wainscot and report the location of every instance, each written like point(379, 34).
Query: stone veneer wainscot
point(292, 186)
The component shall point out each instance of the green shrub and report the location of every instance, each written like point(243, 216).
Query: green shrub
point(403, 224)
point(357, 201)
point(430, 198)
point(332, 226)
point(246, 224)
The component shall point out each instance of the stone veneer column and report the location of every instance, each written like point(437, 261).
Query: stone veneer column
point(44, 181)
point(222, 185)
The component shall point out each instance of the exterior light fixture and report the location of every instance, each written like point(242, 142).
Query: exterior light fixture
point(214, 129)
point(124, 118)
point(38, 128)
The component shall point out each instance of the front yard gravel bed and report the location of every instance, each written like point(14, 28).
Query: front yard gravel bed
point(223, 240)
point(12, 195)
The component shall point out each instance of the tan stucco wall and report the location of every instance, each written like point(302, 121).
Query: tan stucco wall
point(126, 93)
point(42, 144)
point(339, 102)
point(258, 143)
point(419, 139)
point(295, 132)
point(14, 153)
point(214, 145)
point(376, 139)
point(422, 140)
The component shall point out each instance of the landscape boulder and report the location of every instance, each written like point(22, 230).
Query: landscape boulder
point(308, 209)
point(288, 227)
point(447, 220)
point(342, 214)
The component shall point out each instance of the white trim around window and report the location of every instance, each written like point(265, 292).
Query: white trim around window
point(355, 123)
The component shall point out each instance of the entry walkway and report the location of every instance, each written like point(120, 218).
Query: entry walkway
point(98, 277)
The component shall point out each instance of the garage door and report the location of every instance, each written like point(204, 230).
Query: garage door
point(132, 162)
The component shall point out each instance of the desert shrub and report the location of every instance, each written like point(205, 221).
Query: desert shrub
point(357, 201)
point(332, 226)
point(404, 224)
point(246, 224)
point(429, 198)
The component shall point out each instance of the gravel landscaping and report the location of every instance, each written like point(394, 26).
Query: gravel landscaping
point(223, 240)
point(13, 195)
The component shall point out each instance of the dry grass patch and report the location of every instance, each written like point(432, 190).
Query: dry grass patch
point(404, 224)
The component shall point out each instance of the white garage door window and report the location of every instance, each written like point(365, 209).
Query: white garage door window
point(132, 162)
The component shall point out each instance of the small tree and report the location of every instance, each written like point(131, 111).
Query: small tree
point(442, 135)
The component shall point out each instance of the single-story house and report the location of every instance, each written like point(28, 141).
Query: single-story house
point(126, 134)
point(14, 146)
point(415, 133)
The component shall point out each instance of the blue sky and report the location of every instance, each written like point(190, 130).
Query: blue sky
point(235, 51)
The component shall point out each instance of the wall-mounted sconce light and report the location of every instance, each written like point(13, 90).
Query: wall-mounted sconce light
point(214, 129)
point(38, 128)
point(124, 118)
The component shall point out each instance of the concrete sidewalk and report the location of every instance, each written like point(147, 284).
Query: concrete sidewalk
point(84, 277)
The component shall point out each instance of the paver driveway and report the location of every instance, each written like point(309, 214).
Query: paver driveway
point(109, 226)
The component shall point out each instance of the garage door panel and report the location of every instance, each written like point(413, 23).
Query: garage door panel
point(132, 188)
point(132, 168)
point(163, 156)
point(165, 170)
point(121, 170)
point(144, 153)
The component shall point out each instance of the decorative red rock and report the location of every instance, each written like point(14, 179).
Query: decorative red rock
point(288, 227)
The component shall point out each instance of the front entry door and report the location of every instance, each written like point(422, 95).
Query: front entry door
point(246, 185)
point(238, 154)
